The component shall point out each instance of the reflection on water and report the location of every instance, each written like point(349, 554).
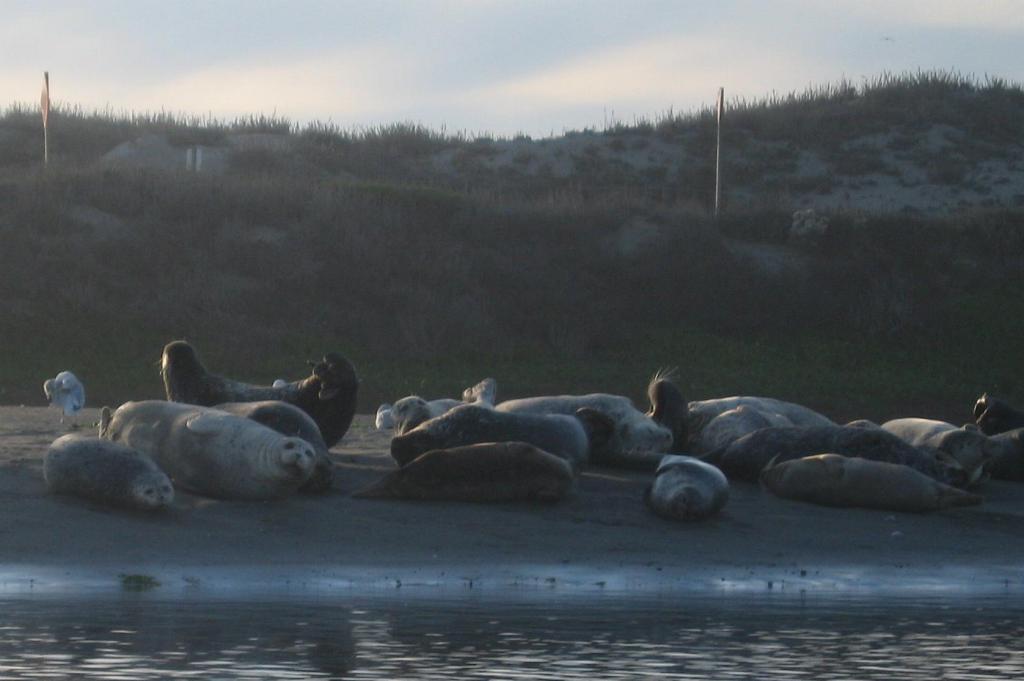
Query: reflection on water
point(140, 637)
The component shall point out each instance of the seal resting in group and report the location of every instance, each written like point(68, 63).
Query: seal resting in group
point(995, 416)
point(211, 452)
point(411, 411)
point(669, 408)
point(731, 425)
point(563, 436)
point(328, 395)
point(633, 435)
point(106, 472)
point(746, 457)
point(777, 413)
point(971, 448)
point(489, 472)
point(289, 420)
point(685, 488)
point(834, 480)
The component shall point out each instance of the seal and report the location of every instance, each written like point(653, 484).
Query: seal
point(65, 392)
point(685, 488)
point(971, 448)
point(834, 480)
point(731, 425)
point(489, 472)
point(701, 412)
point(289, 420)
point(384, 420)
point(634, 434)
point(211, 452)
point(484, 393)
point(413, 410)
point(669, 408)
point(862, 423)
point(563, 436)
point(105, 472)
point(328, 395)
point(994, 415)
point(1009, 462)
point(746, 457)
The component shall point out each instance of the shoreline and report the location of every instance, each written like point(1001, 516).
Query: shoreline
point(601, 542)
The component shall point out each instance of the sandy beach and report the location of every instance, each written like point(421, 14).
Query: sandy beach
point(601, 539)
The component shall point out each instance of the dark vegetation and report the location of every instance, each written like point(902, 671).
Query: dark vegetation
point(353, 241)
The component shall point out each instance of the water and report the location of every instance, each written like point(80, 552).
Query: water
point(138, 636)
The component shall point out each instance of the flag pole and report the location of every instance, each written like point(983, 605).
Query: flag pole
point(45, 106)
point(720, 106)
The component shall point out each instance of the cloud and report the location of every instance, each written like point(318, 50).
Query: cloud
point(993, 15)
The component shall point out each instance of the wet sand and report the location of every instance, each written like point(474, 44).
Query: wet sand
point(601, 540)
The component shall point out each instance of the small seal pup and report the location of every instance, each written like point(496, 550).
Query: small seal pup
point(65, 392)
point(994, 415)
point(744, 458)
point(289, 420)
point(211, 452)
point(489, 472)
point(563, 436)
point(634, 434)
point(685, 488)
point(328, 394)
point(834, 480)
point(106, 472)
point(971, 448)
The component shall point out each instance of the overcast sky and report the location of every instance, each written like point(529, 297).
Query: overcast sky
point(496, 66)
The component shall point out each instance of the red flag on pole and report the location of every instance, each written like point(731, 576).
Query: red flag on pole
point(44, 100)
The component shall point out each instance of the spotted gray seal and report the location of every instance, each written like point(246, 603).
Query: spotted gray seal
point(971, 448)
point(746, 457)
point(289, 420)
point(563, 436)
point(634, 435)
point(106, 472)
point(328, 395)
point(211, 452)
point(489, 472)
point(411, 411)
point(701, 412)
point(731, 425)
point(834, 480)
point(685, 488)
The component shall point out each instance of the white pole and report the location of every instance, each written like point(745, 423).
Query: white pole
point(718, 150)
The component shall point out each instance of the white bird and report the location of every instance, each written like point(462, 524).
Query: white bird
point(66, 392)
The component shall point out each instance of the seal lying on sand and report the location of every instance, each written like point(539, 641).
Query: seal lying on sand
point(106, 472)
point(971, 448)
point(700, 413)
point(669, 408)
point(289, 420)
point(744, 458)
point(686, 488)
point(834, 480)
point(411, 411)
point(211, 452)
point(563, 436)
point(491, 472)
point(1009, 462)
point(996, 416)
point(731, 425)
point(328, 394)
point(634, 434)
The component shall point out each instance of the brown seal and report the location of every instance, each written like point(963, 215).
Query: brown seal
point(490, 472)
point(834, 480)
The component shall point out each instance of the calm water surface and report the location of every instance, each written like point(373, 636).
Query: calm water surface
point(139, 636)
